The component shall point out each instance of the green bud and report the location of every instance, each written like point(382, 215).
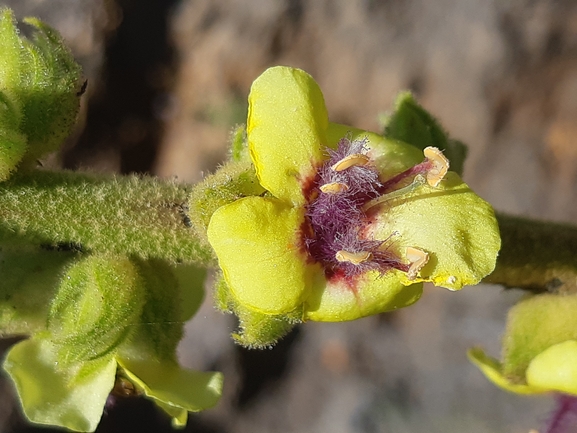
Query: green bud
point(539, 347)
point(41, 81)
point(12, 141)
point(159, 327)
point(99, 301)
point(413, 124)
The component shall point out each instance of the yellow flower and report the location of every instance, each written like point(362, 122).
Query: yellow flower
point(395, 219)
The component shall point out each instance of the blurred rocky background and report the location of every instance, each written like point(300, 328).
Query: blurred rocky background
point(167, 79)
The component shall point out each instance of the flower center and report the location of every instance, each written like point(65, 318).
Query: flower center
point(347, 186)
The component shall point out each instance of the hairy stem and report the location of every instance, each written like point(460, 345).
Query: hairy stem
point(536, 256)
point(137, 216)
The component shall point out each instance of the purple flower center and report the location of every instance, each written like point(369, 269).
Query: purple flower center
point(336, 237)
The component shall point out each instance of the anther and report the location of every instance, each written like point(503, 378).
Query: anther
point(418, 181)
point(354, 258)
point(440, 165)
point(350, 161)
point(418, 258)
point(334, 187)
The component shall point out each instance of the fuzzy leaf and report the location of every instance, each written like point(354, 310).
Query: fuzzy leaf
point(239, 144)
point(412, 124)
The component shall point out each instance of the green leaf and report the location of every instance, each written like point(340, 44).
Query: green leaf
point(191, 289)
point(70, 396)
point(412, 124)
point(255, 330)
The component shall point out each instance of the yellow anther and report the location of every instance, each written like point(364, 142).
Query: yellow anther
point(418, 259)
point(440, 165)
point(354, 258)
point(418, 181)
point(334, 187)
point(351, 160)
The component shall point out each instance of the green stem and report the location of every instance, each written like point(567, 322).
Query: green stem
point(138, 216)
point(149, 218)
point(536, 256)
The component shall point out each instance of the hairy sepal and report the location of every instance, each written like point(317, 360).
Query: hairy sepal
point(231, 182)
point(255, 330)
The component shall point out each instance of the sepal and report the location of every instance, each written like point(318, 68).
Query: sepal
point(231, 182)
point(255, 330)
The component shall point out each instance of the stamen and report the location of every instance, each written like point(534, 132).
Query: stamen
point(440, 165)
point(418, 259)
point(334, 187)
point(418, 181)
point(350, 161)
point(354, 258)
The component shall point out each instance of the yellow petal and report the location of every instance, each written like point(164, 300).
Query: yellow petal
point(335, 301)
point(257, 244)
point(287, 122)
point(555, 368)
point(451, 223)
